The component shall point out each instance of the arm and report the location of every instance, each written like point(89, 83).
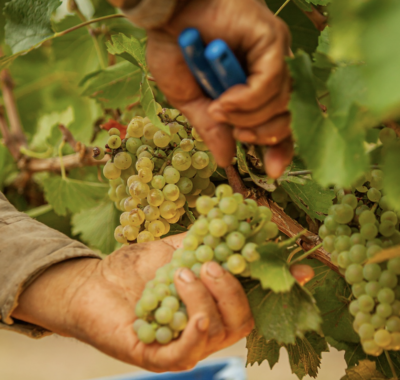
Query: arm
point(27, 249)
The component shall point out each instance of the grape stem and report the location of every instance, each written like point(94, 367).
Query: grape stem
point(306, 254)
point(31, 153)
point(63, 175)
point(281, 7)
point(389, 359)
point(290, 257)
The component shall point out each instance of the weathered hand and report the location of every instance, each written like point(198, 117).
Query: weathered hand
point(94, 300)
point(258, 110)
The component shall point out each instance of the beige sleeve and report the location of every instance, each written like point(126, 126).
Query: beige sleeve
point(27, 249)
point(147, 13)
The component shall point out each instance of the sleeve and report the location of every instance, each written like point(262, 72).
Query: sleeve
point(147, 13)
point(27, 249)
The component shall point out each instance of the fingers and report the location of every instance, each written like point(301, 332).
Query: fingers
point(302, 273)
point(231, 301)
point(175, 241)
point(277, 157)
point(183, 353)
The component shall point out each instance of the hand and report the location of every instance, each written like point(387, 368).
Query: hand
point(94, 300)
point(258, 110)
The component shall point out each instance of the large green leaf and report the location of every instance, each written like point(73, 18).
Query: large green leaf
point(259, 349)
point(28, 22)
point(96, 226)
point(329, 143)
point(294, 312)
point(72, 195)
point(114, 87)
point(308, 194)
point(332, 300)
point(392, 175)
point(366, 370)
point(272, 269)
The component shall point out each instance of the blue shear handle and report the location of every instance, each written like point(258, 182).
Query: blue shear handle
point(193, 51)
point(224, 64)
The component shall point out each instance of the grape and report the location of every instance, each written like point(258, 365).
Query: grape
point(151, 213)
point(222, 252)
point(161, 139)
point(371, 348)
point(180, 202)
point(187, 144)
point(201, 227)
point(200, 160)
point(204, 253)
point(130, 232)
point(357, 238)
point(189, 173)
point(395, 344)
point(244, 228)
point(242, 212)
point(249, 252)
point(367, 217)
point(343, 213)
point(366, 303)
point(377, 321)
point(228, 205)
point(393, 324)
point(110, 171)
point(181, 161)
point(114, 142)
point(209, 190)
point(211, 241)
point(188, 258)
point(342, 229)
point(145, 148)
point(206, 172)
point(145, 175)
point(235, 241)
point(236, 263)
point(386, 295)
point(148, 302)
point(362, 318)
point(168, 209)
point(179, 321)
point(329, 243)
point(376, 179)
point(366, 331)
point(204, 205)
point(145, 236)
point(389, 216)
point(396, 307)
point(372, 272)
point(218, 227)
point(353, 308)
point(350, 199)
point(98, 153)
point(323, 232)
point(144, 162)
point(190, 242)
point(386, 228)
point(382, 338)
point(158, 182)
point(369, 231)
point(163, 315)
point(354, 273)
point(200, 183)
point(374, 195)
point(146, 334)
point(358, 289)
point(130, 203)
point(171, 192)
point(387, 135)
point(149, 131)
point(138, 323)
point(393, 265)
point(185, 185)
point(373, 250)
point(223, 191)
point(200, 145)
point(122, 160)
point(120, 191)
point(163, 335)
point(119, 235)
point(161, 291)
point(372, 288)
point(330, 223)
point(139, 189)
point(135, 127)
point(231, 222)
point(388, 279)
point(342, 243)
point(358, 253)
point(384, 310)
point(156, 228)
point(155, 197)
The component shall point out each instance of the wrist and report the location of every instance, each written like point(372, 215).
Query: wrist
point(46, 301)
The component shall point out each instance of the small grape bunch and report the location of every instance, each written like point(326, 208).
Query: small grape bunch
point(228, 231)
point(357, 228)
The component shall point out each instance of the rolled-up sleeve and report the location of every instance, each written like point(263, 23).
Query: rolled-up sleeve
point(147, 13)
point(27, 249)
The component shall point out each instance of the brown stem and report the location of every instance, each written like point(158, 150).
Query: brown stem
point(67, 137)
point(317, 18)
point(285, 223)
point(8, 138)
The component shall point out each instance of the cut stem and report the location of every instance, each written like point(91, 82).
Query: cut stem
point(303, 256)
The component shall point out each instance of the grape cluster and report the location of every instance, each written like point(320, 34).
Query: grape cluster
point(152, 174)
point(360, 225)
point(228, 231)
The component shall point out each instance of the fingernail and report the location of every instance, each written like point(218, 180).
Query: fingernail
point(186, 275)
point(214, 270)
point(219, 116)
point(203, 323)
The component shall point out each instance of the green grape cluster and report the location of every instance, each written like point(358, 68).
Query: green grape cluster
point(360, 225)
point(228, 231)
point(152, 174)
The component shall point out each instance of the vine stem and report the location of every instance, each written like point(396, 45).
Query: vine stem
point(62, 167)
point(306, 254)
point(281, 7)
point(290, 257)
point(389, 359)
point(31, 153)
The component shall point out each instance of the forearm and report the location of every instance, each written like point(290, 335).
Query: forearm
point(28, 248)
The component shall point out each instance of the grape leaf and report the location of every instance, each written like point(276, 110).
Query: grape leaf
point(258, 350)
point(72, 195)
point(321, 272)
point(391, 180)
point(189, 213)
point(294, 312)
point(114, 87)
point(332, 300)
point(365, 370)
point(272, 269)
point(319, 2)
point(354, 353)
point(304, 194)
point(303, 5)
point(96, 226)
point(327, 144)
point(259, 179)
point(305, 355)
point(28, 22)
point(175, 230)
